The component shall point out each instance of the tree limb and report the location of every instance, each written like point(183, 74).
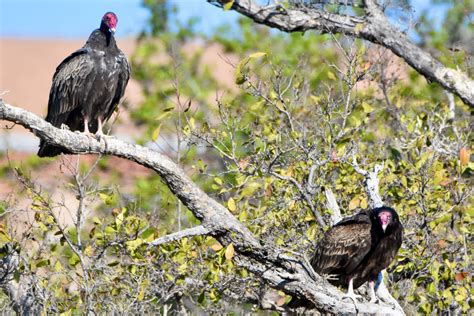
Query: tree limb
point(193, 231)
point(373, 27)
point(271, 264)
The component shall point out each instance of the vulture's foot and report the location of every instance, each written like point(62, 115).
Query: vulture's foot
point(373, 297)
point(100, 136)
point(354, 297)
point(330, 277)
point(65, 127)
point(88, 134)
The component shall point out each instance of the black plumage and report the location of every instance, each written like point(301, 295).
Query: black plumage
point(358, 248)
point(88, 85)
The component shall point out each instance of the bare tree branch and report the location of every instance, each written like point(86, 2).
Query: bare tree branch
point(305, 196)
point(371, 182)
point(373, 26)
point(193, 231)
point(271, 264)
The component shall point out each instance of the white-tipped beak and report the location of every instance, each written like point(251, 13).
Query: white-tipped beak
point(384, 226)
point(112, 30)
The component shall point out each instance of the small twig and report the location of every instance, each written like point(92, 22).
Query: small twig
point(304, 195)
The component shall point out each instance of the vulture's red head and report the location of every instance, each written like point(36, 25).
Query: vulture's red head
point(109, 22)
point(386, 216)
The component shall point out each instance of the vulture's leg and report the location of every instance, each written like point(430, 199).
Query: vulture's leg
point(86, 126)
point(373, 297)
point(100, 132)
point(99, 128)
point(350, 294)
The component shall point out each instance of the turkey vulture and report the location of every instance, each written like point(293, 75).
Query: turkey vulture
point(358, 248)
point(87, 85)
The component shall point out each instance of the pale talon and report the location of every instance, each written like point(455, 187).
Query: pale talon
point(354, 297)
point(350, 294)
point(330, 276)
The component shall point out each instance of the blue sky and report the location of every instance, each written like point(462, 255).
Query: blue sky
point(77, 18)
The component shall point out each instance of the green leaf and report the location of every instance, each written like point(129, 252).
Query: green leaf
point(74, 260)
point(257, 55)
point(231, 205)
point(228, 5)
point(250, 189)
point(148, 234)
point(42, 263)
point(156, 133)
point(96, 220)
point(58, 267)
point(240, 71)
point(367, 108)
point(243, 216)
point(163, 115)
point(119, 218)
point(354, 203)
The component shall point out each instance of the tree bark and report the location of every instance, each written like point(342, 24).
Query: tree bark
point(373, 27)
point(271, 264)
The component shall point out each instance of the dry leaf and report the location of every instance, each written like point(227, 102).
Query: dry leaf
point(216, 247)
point(464, 156)
point(229, 252)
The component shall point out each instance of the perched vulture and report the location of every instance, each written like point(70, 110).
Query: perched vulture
point(358, 248)
point(87, 85)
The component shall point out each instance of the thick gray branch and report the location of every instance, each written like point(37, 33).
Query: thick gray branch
point(275, 268)
point(374, 27)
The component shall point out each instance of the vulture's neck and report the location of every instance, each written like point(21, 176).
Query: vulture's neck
point(101, 40)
